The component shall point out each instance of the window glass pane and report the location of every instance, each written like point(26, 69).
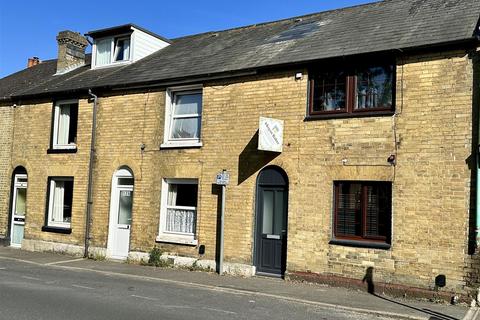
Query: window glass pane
point(183, 195)
point(329, 91)
point(62, 201)
point(188, 104)
point(122, 49)
point(103, 52)
point(125, 181)
point(21, 180)
point(180, 220)
point(374, 87)
point(125, 207)
point(349, 209)
point(378, 210)
point(63, 124)
point(279, 221)
point(185, 128)
point(58, 197)
point(17, 234)
point(267, 223)
point(72, 131)
point(20, 201)
point(67, 205)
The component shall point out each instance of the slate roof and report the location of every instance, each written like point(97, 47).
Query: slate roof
point(375, 27)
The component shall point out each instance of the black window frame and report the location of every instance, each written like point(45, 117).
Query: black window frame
point(363, 239)
point(350, 68)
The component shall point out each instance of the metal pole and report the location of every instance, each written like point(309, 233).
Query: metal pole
point(222, 216)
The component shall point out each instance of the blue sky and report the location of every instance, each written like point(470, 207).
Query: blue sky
point(28, 28)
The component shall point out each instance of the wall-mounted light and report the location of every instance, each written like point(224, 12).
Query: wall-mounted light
point(298, 76)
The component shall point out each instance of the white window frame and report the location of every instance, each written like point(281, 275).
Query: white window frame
point(56, 119)
point(169, 112)
point(112, 51)
point(175, 237)
point(115, 48)
point(51, 194)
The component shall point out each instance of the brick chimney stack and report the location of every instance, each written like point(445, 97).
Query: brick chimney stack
point(71, 51)
point(33, 61)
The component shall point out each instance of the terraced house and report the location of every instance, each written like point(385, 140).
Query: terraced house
point(349, 136)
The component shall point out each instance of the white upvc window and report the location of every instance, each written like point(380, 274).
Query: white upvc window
point(109, 51)
point(183, 117)
point(178, 213)
point(65, 120)
point(60, 202)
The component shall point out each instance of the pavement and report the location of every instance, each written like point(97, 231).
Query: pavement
point(322, 296)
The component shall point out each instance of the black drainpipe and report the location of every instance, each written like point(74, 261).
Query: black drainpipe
point(90, 175)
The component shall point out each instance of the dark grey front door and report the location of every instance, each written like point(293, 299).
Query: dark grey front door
point(271, 228)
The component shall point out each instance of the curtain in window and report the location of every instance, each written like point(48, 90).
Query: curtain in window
point(63, 124)
point(181, 221)
point(186, 116)
point(172, 194)
point(103, 52)
point(178, 219)
point(58, 196)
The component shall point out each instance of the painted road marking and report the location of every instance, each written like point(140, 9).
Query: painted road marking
point(63, 261)
point(142, 297)
point(31, 278)
point(232, 291)
point(219, 310)
point(82, 287)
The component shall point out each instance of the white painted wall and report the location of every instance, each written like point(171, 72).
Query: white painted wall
point(145, 44)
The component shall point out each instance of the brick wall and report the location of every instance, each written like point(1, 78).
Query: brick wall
point(6, 126)
point(31, 142)
point(431, 182)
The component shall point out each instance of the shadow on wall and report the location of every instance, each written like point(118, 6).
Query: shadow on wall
point(368, 279)
point(217, 190)
point(251, 159)
point(472, 160)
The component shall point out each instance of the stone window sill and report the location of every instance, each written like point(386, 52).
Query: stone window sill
point(177, 240)
point(57, 230)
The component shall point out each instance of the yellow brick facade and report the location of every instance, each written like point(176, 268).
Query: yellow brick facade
point(6, 131)
point(431, 136)
point(31, 138)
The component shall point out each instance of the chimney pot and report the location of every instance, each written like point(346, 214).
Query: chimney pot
point(71, 50)
point(33, 61)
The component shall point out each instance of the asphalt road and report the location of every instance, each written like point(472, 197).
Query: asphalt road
point(29, 291)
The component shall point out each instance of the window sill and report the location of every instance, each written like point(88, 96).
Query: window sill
point(177, 240)
point(57, 229)
point(113, 64)
point(66, 150)
point(361, 244)
point(179, 145)
point(349, 115)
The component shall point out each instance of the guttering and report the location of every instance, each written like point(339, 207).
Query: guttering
point(476, 98)
point(88, 214)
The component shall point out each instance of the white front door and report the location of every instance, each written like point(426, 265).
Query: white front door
point(120, 215)
point(19, 205)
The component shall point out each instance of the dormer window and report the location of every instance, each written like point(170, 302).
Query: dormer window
point(111, 50)
point(123, 44)
point(122, 49)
